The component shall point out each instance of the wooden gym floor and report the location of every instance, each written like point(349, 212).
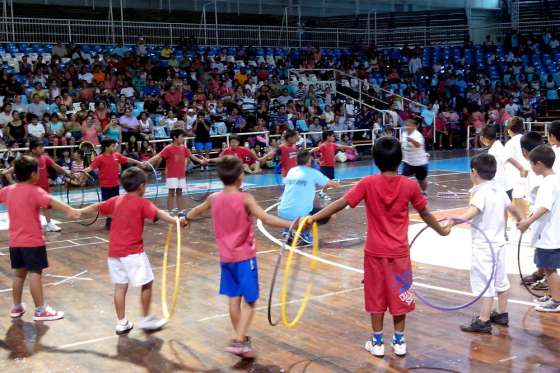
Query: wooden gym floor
point(329, 338)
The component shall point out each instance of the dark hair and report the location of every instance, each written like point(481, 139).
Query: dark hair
point(411, 121)
point(554, 129)
point(107, 142)
point(133, 178)
point(234, 137)
point(35, 143)
point(175, 133)
point(229, 169)
point(326, 134)
point(387, 154)
point(485, 165)
point(516, 125)
point(531, 140)
point(544, 154)
point(489, 132)
point(303, 157)
point(24, 167)
point(289, 133)
point(81, 153)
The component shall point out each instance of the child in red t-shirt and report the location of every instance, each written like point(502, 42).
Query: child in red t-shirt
point(28, 254)
point(327, 152)
point(128, 263)
point(44, 163)
point(108, 163)
point(176, 155)
point(247, 156)
point(286, 152)
point(387, 267)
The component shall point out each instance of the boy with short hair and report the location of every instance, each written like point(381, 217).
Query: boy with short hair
point(554, 141)
point(232, 216)
point(387, 197)
point(287, 152)
point(28, 254)
point(496, 149)
point(415, 157)
point(251, 165)
point(327, 152)
point(176, 155)
point(299, 191)
point(517, 166)
point(546, 222)
point(488, 208)
point(128, 263)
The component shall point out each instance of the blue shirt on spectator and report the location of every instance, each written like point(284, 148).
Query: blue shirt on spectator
point(152, 90)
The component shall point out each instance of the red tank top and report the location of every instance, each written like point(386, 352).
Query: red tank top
point(288, 158)
point(233, 227)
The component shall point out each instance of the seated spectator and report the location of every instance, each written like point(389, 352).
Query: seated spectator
point(36, 130)
point(16, 132)
point(113, 130)
point(56, 131)
point(91, 130)
point(129, 124)
point(6, 114)
point(146, 126)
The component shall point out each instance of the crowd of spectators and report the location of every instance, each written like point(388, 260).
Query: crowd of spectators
point(134, 96)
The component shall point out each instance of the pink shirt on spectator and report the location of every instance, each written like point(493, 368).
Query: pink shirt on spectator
point(233, 227)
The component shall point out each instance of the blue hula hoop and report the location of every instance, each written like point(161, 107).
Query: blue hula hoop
point(440, 307)
point(155, 180)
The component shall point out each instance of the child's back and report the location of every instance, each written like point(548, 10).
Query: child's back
point(492, 201)
point(387, 199)
point(233, 227)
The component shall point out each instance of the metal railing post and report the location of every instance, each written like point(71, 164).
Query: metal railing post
point(69, 32)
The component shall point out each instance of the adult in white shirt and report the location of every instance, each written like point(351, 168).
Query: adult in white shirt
point(415, 158)
point(6, 115)
point(85, 75)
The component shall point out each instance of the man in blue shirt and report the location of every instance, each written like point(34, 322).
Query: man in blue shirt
point(151, 89)
point(299, 191)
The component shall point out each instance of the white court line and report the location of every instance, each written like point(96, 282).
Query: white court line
point(75, 239)
point(68, 278)
point(72, 277)
point(75, 243)
point(261, 228)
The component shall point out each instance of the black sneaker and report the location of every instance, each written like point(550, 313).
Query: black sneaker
point(532, 278)
point(541, 285)
point(499, 318)
point(477, 326)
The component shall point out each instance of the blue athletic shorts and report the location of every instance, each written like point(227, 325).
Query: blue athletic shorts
point(201, 146)
point(240, 279)
point(547, 258)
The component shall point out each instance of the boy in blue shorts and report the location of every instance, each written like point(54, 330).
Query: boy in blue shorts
point(299, 191)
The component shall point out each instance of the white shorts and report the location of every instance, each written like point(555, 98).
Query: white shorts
point(481, 269)
point(134, 269)
point(176, 183)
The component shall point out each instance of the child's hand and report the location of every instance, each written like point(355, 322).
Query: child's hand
point(523, 225)
point(446, 226)
point(184, 222)
point(524, 173)
point(74, 214)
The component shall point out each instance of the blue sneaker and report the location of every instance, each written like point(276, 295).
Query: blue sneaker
point(285, 232)
point(306, 238)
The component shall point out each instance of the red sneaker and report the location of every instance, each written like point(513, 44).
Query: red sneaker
point(48, 314)
point(17, 311)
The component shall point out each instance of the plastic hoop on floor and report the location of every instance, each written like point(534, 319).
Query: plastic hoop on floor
point(525, 285)
point(287, 271)
point(440, 307)
point(275, 274)
point(91, 179)
point(165, 309)
point(154, 171)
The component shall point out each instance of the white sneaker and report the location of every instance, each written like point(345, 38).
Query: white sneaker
point(377, 350)
point(542, 300)
point(324, 196)
point(551, 306)
point(48, 314)
point(123, 327)
point(150, 323)
point(52, 227)
point(399, 348)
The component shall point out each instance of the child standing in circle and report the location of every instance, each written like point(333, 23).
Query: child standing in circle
point(387, 266)
point(176, 155)
point(232, 216)
point(415, 157)
point(287, 152)
point(108, 163)
point(128, 263)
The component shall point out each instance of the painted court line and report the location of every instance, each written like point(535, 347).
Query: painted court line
point(263, 230)
point(66, 279)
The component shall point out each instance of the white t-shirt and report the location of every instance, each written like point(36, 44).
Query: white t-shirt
point(412, 155)
point(513, 151)
point(37, 130)
point(556, 166)
point(492, 201)
point(546, 230)
point(88, 77)
point(498, 151)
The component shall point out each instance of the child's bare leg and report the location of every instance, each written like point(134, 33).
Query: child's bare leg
point(423, 184)
point(486, 308)
point(247, 169)
point(36, 287)
point(120, 296)
point(503, 301)
point(246, 316)
point(235, 312)
point(17, 284)
point(553, 283)
point(170, 199)
point(180, 200)
point(399, 323)
point(146, 298)
point(47, 215)
point(377, 322)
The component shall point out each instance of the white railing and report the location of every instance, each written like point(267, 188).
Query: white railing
point(46, 30)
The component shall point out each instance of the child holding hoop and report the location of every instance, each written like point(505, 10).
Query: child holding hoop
point(127, 261)
point(387, 266)
point(232, 216)
point(488, 209)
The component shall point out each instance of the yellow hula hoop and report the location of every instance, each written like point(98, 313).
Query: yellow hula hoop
point(168, 312)
point(287, 271)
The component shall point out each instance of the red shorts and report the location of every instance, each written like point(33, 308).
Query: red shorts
point(387, 283)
